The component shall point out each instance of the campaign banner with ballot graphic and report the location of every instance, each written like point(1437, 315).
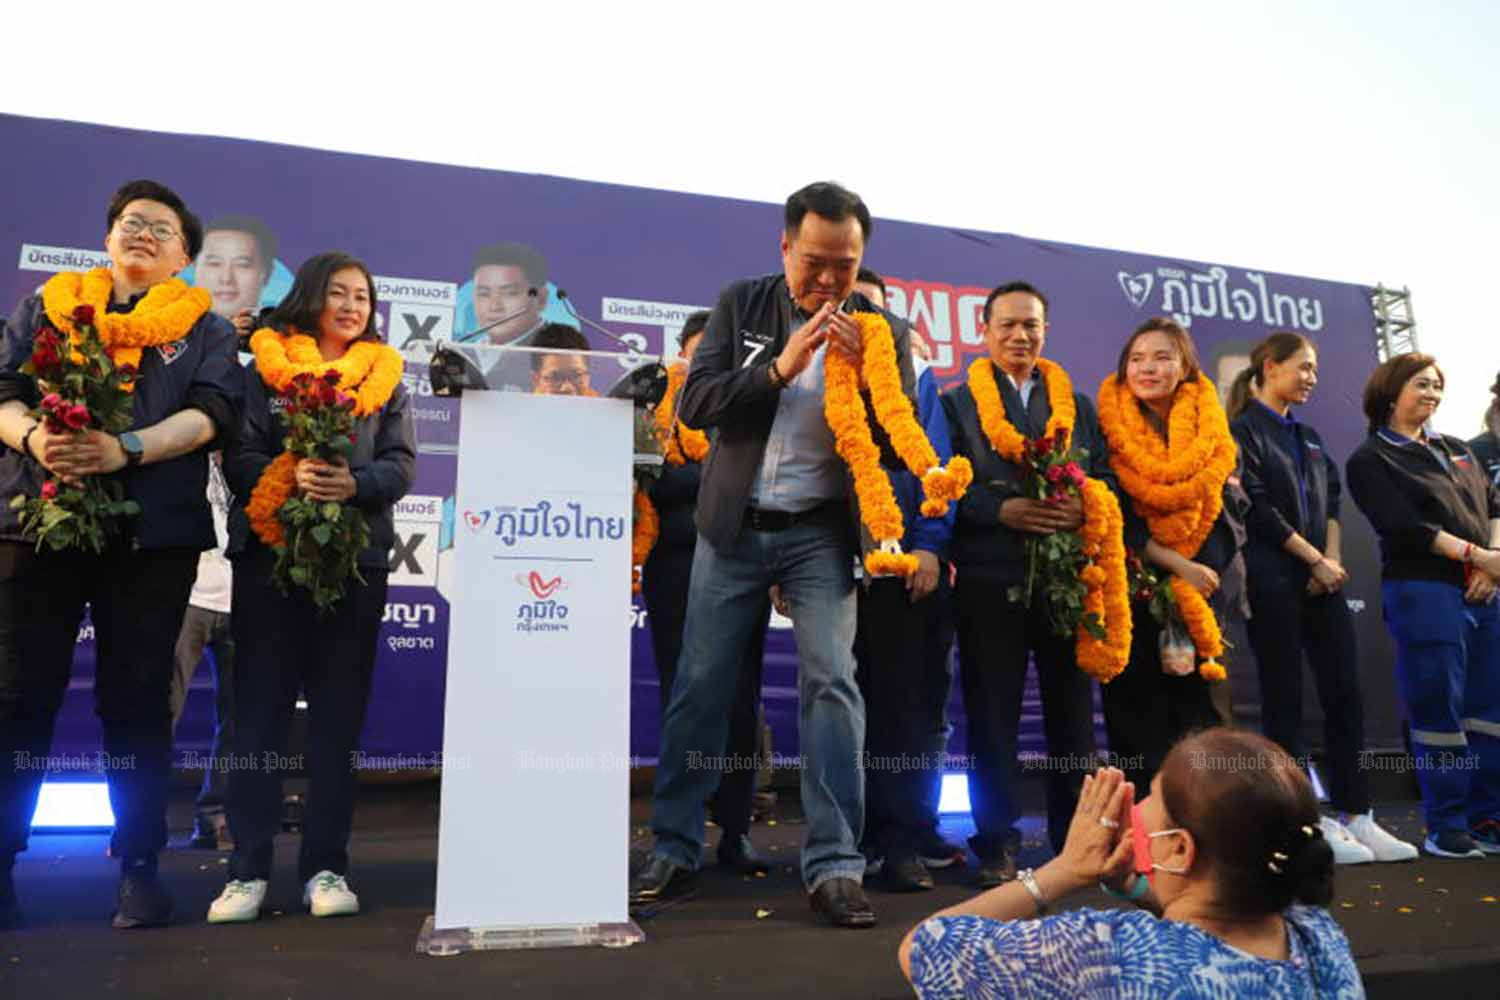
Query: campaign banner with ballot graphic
point(538, 689)
point(486, 256)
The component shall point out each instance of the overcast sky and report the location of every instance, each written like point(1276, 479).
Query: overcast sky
point(1355, 141)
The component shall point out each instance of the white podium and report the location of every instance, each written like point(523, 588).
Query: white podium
point(533, 840)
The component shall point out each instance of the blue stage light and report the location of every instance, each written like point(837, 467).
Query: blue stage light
point(73, 805)
point(955, 794)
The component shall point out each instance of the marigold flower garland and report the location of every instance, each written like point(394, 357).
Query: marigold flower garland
point(1177, 485)
point(845, 412)
point(368, 370)
point(680, 443)
point(1102, 533)
point(165, 314)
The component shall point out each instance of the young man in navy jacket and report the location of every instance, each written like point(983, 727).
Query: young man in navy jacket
point(186, 401)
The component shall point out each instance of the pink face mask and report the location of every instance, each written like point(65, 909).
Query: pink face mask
point(1141, 842)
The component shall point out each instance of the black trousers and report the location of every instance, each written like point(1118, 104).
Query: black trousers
point(282, 646)
point(137, 600)
point(903, 652)
point(1285, 623)
point(994, 637)
point(1146, 711)
point(664, 587)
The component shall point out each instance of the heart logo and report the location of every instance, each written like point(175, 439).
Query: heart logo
point(544, 589)
point(476, 520)
point(1137, 287)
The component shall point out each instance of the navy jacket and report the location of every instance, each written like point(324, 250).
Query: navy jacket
point(982, 547)
point(1409, 495)
point(1281, 502)
point(199, 371)
point(383, 460)
point(1486, 448)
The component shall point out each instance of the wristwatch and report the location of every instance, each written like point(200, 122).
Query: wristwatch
point(133, 446)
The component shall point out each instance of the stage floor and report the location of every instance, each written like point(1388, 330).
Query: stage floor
point(1425, 925)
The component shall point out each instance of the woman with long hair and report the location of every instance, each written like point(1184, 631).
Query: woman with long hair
point(1296, 577)
point(1170, 446)
point(1487, 445)
point(287, 637)
point(1232, 903)
point(1438, 519)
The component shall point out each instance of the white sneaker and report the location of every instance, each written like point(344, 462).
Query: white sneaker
point(1382, 843)
point(328, 895)
point(239, 902)
point(1346, 850)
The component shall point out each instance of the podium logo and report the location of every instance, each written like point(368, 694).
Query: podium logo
point(541, 611)
point(476, 520)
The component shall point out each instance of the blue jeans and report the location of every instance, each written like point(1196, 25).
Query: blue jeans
point(813, 562)
point(1448, 668)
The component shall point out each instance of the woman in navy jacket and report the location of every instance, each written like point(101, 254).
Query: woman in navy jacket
point(1295, 586)
point(1438, 519)
point(283, 643)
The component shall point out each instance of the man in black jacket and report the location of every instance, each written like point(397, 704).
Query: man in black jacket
point(774, 508)
point(996, 631)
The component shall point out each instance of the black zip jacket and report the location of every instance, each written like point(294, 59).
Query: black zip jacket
point(983, 549)
point(383, 460)
point(1409, 495)
point(1486, 448)
point(200, 372)
point(1279, 506)
point(729, 388)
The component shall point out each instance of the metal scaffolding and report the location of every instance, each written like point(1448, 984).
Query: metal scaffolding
point(1395, 325)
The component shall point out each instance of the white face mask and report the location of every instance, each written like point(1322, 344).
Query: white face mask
point(1163, 868)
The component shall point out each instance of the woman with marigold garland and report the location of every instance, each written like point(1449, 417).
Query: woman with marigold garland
point(1296, 578)
point(284, 641)
point(184, 400)
point(1170, 446)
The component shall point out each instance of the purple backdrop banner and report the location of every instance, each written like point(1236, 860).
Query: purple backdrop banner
point(638, 261)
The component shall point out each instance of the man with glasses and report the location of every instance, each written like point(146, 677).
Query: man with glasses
point(562, 374)
point(187, 398)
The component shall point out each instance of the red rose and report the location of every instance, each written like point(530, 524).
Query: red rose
point(1056, 474)
point(329, 395)
point(83, 315)
point(331, 377)
point(127, 371)
point(49, 489)
point(302, 380)
point(76, 417)
point(353, 438)
point(345, 401)
point(51, 402)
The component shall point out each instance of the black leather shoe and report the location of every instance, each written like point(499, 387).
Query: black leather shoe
point(143, 900)
point(842, 903)
point(740, 854)
point(904, 873)
point(10, 908)
point(661, 880)
point(996, 871)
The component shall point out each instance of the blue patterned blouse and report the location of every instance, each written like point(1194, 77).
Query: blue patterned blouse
point(1125, 954)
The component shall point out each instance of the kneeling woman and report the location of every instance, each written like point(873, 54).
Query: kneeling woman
point(1170, 445)
point(1232, 902)
point(286, 640)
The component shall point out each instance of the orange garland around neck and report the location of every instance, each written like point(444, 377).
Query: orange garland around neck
point(1008, 442)
point(680, 443)
point(1176, 485)
point(166, 313)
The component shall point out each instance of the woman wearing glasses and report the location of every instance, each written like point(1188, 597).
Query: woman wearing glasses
point(1438, 519)
point(186, 398)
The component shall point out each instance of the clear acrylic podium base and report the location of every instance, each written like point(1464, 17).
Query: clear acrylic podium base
point(457, 940)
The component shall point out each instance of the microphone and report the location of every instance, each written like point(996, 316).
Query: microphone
point(473, 334)
point(562, 296)
point(645, 384)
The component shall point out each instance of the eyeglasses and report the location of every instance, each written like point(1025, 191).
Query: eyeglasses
point(559, 379)
point(132, 225)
